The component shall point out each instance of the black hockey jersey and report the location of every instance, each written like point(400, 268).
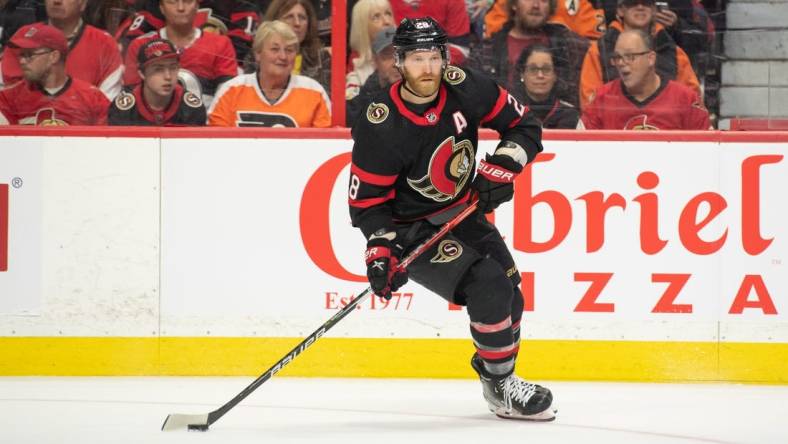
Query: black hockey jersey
point(409, 166)
point(185, 109)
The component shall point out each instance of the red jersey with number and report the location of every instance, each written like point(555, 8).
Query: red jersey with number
point(209, 56)
point(240, 17)
point(93, 56)
point(76, 103)
point(673, 106)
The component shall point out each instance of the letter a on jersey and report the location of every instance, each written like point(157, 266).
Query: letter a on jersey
point(450, 167)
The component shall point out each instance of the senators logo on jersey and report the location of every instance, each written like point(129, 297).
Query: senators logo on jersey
point(449, 169)
point(377, 112)
point(448, 250)
point(454, 75)
point(640, 123)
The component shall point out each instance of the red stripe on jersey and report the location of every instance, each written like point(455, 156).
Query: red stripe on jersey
point(486, 354)
point(499, 104)
point(370, 202)
point(413, 117)
point(372, 178)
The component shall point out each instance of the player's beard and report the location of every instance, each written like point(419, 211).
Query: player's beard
point(421, 86)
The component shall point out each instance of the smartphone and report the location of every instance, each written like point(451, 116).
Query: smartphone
point(661, 6)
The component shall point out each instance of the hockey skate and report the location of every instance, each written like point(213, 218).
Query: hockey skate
point(514, 398)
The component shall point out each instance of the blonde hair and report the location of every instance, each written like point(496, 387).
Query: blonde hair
point(267, 29)
point(359, 28)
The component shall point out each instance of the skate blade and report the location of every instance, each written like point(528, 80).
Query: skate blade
point(544, 416)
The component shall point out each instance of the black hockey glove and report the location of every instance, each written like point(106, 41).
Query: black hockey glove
point(494, 181)
point(382, 257)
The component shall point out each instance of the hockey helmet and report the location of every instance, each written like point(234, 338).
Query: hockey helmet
point(420, 33)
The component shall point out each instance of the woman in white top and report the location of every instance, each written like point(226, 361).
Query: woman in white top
point(368, 18)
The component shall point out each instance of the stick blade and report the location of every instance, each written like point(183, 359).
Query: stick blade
point(177, 421)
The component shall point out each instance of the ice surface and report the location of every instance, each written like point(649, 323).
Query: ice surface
point(377, 411)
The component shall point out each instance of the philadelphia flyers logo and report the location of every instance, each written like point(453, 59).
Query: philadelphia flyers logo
point(448, 250)
point(377, 112)
point(640, 123)
point(449, 169)
point(454, 75)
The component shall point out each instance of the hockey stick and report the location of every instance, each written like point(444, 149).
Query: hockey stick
point(177, 421)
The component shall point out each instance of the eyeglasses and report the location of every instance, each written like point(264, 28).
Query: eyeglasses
point(617, 59)
point(28, 55)
point(533, 70)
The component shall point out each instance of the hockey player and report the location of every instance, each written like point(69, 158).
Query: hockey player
point(413, 169)
point(160, 100)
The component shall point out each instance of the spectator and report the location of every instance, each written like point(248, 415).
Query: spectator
point(499, 54)
point(686, 21)
point(160, 100)
point(207, 56)
point(237, 19)
point(451, 15)
point(273, 96)
point(539, 89)
point(47, 95)
point(385, 74)
point(369, 18)
point(583, 17)
point(93, 55)
point(642, 99)
point(672, 61)
point(313, 59)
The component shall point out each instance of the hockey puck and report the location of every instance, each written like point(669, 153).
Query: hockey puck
point(198, 427)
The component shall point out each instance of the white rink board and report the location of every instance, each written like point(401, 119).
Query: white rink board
point(203, 237)
point(20, 264)
point(95, 233)
point(234, 261)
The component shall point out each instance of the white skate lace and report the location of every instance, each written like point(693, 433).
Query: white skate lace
point(516, 389)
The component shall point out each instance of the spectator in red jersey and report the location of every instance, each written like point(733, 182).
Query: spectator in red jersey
point(540, 86)
point(207, 56)
point(239, 17)
point(313, 59)
point(93, 55)
point(642, 99)
point(47, 95)
point(672, 61)
point(369, 17)
point(451, 15)
point(499, 54)
point(160, 100)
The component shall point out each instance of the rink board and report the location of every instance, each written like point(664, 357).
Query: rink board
point(643, 257)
